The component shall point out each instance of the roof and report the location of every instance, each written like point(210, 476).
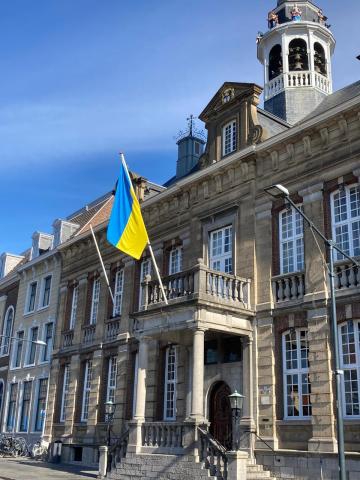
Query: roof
point(333, 100)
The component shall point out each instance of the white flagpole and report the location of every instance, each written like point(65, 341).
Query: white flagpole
point(102, 264)
point(157, 273)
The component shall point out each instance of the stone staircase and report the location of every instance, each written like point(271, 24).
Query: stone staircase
point(173, 467)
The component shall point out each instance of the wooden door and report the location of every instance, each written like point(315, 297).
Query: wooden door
point(220, 414)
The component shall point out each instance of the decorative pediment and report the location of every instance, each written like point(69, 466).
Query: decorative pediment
point(230, 93)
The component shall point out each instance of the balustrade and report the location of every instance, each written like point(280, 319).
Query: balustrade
point(289, 287)
point(67, 339)
point(163, 435)
point(297, 79)
point(213, 454)
point(198, 282)
point(347, 276)
point(112, 329)
point(88, 333)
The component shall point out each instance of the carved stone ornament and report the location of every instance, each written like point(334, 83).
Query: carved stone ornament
point(227, 95)
point(324, 133)
point(344, 129)
point(291, 152)
point(307, 146)
point(218, 183)
point(255, 134)
point(275, 160)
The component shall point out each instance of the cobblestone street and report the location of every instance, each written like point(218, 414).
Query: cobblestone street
point(26, 469)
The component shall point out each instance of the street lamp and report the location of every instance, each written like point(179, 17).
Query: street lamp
point(279, 191)
point(110, 408)
point(236, 404)
point(36, 342)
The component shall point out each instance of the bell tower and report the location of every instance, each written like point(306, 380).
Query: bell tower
point(296, 53)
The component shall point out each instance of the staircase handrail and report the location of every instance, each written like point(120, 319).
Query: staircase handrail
point(119, 443)
point(215, 443)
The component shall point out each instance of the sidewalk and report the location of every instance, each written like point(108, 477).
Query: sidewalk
point(27, 469)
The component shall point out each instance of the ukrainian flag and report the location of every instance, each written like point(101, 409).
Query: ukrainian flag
point(126, 229)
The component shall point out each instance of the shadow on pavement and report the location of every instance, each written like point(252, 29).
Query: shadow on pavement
point(61, 467)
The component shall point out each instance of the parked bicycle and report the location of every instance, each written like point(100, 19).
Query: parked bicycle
point(13, 446)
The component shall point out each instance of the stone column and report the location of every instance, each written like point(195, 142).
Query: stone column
point(73, 396)
point(135, 436)
point(247, 423)
point(51, 396)
point(321, 378)
point(94, 393)
point(197, 397)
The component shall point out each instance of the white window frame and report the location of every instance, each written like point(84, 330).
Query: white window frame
point(170, 384)
point(27, 304)
point(294, 238)
point(346, 223)
point(229, 137)
point(6, 340)
point(16, 349)
point(31, 381)
point(118, 292)
point(86, 391)
point(49, 345)
point(2, 398)
point(351, 368)
point(95, 300)
point(175, 260)
point(16, 384)
point(42, 292)
point(74, 304)
point(145, 270)
point(299, 371)
point(65, 392)
point(30, 345)
point(111, 380)
point(222, 261)
point(36, 406)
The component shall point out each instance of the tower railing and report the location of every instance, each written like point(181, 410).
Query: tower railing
point(297, 79)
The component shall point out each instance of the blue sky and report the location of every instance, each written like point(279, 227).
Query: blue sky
point(82, 80)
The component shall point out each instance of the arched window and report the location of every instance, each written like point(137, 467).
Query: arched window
point(320, 59)
point(298, 55)
point(275, 62)
point(345, 208)
point(7, 329)
point(350, 364)
point(297, 387)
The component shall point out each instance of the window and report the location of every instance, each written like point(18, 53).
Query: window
point(197, 148)
point(291, 231)
point(170, 384)
point(275, 62)
point(229, 138)
point(25, 407)
point(46, 353)
point(118, 292)
point(350, 362)
point(32, 346)
point(232, 349)
point(74, 303)
point(95, 301)
point(45, 291)
point(346, 220)
point(221, 250)
point(19, 343)
point(10, 420)
point(297, 388)
point(1, 395)
point(298, 55)
point(7, 329)
point(65, 393)
point(30, 304)
point(111, 385)
point(175, 260)
point(86, 392)
point(211, 352)
point(144, 271)
point(41, 404)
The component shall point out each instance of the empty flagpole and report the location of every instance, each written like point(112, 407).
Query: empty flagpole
point(122, 156)
point(157, 273)
point(102, 264)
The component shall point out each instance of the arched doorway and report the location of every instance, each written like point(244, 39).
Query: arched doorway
point(220, 414)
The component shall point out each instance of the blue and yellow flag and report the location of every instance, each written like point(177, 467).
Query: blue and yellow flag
point(126, 229)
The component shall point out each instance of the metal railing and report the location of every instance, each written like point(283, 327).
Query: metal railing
point(117, 451)
point(213, 455)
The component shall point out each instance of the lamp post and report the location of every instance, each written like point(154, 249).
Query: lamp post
point(37, 342)
point(279, 191)
point(110, 408)
point(236, 403)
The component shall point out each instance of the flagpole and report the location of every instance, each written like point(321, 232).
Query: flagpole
point(157, 272)
point(102, 264)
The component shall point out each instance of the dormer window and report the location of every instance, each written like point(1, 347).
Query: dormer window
point(229, 138)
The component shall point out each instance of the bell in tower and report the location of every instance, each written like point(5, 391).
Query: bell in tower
point(296, 53)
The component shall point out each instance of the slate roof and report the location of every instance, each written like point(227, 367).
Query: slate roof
point(335, 99)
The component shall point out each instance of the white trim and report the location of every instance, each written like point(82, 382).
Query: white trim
point(3, 339)
point(86, 391)
point(220, 261)
point(28, 350)
point(168, 382)
point(15, 350)
point(5, 422)
point(74, 305)
point(95, 300)
point(27, 301)
point(353, 366)
point(229, 140)
point(293, 238)
point(176, 266)
point(37, 384)
point(111, 389)
point(20, 407)
point(298, 372)
point(42, 349)
point(41, 305)
point(65, 392)
point(118, 292)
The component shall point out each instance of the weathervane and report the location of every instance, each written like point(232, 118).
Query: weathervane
point(191, 130)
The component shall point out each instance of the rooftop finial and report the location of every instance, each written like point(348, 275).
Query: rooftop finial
point(191, 130)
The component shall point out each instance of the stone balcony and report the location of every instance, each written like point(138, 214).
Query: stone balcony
point(288, 288)
point(198, 284)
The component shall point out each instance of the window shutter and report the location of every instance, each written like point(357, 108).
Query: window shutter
point(160, 384)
